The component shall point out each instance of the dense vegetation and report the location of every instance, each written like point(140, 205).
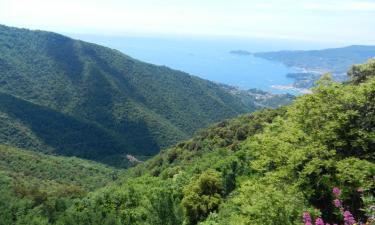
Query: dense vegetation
point(34, 183)
point(73, 98)
point(268, 168)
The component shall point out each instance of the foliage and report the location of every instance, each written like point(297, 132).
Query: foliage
point(202, 197)
point(362, 72)
point(263, 168)
point(74, 98)
point(260, 203)
point(36, 188)
point(140, 201)
point(73, 171)
point(346, 216)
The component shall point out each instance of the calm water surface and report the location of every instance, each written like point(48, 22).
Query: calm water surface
point(210, 58)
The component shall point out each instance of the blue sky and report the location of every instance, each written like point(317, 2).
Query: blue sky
point(341, 21)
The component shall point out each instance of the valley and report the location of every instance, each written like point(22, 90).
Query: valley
point(92, 136)
point(72, 98)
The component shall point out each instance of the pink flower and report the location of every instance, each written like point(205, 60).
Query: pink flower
point(319, 221)
point(360, 190)
point(337, 203)
point(307, 218)
point(348, 218)
point(336, 191)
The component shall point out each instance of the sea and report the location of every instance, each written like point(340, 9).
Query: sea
point(211, 58)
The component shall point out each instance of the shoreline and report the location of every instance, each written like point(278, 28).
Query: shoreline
point(291, 87)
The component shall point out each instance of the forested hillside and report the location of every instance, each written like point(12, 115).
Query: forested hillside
point(33, 182)
point(73, 98)
point(270, 167)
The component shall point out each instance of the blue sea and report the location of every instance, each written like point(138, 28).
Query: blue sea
point(210, 58)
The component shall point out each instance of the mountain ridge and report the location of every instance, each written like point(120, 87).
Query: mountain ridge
point(141, 108)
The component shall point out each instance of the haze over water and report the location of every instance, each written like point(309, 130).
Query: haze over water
point(272, 22)
point(211, 59)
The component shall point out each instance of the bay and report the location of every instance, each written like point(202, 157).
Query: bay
point(210, 58)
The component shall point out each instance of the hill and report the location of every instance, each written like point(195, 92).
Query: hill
point(32, 182)
point(268, 167)
point(23, 164)
point(264, 168)
point(334, 60)
point(313, 63)
point(73, 98)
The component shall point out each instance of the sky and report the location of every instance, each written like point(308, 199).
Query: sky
point(341, 21)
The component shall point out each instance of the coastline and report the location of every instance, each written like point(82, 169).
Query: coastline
point(291, 87)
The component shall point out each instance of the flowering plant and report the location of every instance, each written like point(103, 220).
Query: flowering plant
point(346, 214)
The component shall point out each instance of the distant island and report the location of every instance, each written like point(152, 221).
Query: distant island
point(311, 64)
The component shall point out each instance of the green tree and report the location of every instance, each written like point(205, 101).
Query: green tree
point(202, 196)
point(360, 73)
